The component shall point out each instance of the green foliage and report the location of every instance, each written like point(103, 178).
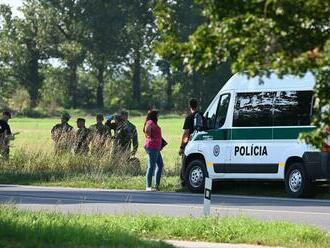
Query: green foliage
point(20, 100)
point(257, 37)
point(54, 90)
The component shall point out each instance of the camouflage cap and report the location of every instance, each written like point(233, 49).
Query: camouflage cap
point(65, 116)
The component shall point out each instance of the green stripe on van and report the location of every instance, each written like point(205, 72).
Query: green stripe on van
point(290, 133)
point(251, 133)
point(254, 133)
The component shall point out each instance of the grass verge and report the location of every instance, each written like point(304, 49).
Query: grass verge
point(90, 180)
point(40, 229)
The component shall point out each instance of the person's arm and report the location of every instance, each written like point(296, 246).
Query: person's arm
point(52, 133)
point(184, 140)
point(147, 130)
point(186, 134)
point(135, 140)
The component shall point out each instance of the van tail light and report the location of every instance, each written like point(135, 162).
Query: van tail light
point(326, 147)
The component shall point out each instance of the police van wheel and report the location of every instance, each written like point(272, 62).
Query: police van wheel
point(297, 183)
point(195, 176)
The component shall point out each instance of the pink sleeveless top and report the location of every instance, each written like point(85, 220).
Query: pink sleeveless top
point(154, 138)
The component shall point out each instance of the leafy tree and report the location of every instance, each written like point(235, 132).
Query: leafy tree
point(66, 33)
point(177, 20)
point(140, 32)
point(21, 51)
point(105, 24)
point(258, 37)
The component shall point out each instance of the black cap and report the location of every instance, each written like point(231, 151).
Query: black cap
point(7, 113)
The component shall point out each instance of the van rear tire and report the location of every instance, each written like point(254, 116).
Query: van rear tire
point(297, 183)
point(195, 176)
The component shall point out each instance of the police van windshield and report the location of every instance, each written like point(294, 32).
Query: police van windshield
point(217, 112)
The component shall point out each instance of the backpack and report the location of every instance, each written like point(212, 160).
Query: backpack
point(199, 122)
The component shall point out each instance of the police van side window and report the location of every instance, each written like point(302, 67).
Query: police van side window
point(293, 108)
point(253, 109)
point(222, 110)
point(211, 114)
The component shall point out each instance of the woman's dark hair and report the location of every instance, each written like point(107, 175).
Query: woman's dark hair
point(153, 116)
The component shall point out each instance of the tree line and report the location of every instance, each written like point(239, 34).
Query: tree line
point(96, 54)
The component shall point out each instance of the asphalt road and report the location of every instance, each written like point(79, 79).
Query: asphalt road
point(95, 201)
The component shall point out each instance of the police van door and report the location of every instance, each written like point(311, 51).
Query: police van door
point(251, 137)
point(215, 141)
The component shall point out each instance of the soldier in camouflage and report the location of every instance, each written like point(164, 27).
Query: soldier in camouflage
point(100, 135)
point(121, 137)
point(5, 135)
point(133, 134)
point(62, 135)
point(82, 138)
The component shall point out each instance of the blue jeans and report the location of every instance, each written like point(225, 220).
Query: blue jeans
point(154, 160)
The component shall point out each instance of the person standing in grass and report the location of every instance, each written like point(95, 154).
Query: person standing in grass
point(121, 139)
point(133, 134)
point(153, 145)
point(189, 125)
point(5, 135)
point(82, 138)
point(62, 135)
point(100, 133)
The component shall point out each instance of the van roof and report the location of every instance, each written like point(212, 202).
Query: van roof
point(241, 82)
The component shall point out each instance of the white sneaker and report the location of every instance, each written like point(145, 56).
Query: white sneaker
point(148, 189)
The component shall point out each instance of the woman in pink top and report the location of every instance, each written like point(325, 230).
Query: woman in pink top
point(153, 146)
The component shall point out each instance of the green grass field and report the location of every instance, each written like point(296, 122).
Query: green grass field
point(40, 229)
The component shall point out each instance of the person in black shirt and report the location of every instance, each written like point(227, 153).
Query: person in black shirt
point(188, 125)
point(5, 135)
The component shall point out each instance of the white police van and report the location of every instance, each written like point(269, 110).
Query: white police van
point(253, 128)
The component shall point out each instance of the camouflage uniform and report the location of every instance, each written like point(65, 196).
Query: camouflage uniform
point(99, 135)
point(81, 141)
point(133, 137)
point(4, 146)
point(62, 135)
point(125, 136)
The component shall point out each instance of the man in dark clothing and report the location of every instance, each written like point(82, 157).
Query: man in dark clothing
point(189, 124)
point(62, 134)
point(100, 133)
point(122, 136)
point(133, 134)
point(5, 135)
point(82, 138)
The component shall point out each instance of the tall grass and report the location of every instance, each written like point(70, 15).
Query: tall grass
point(106, 169)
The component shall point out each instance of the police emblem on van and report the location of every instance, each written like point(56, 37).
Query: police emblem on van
point(216, 150)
